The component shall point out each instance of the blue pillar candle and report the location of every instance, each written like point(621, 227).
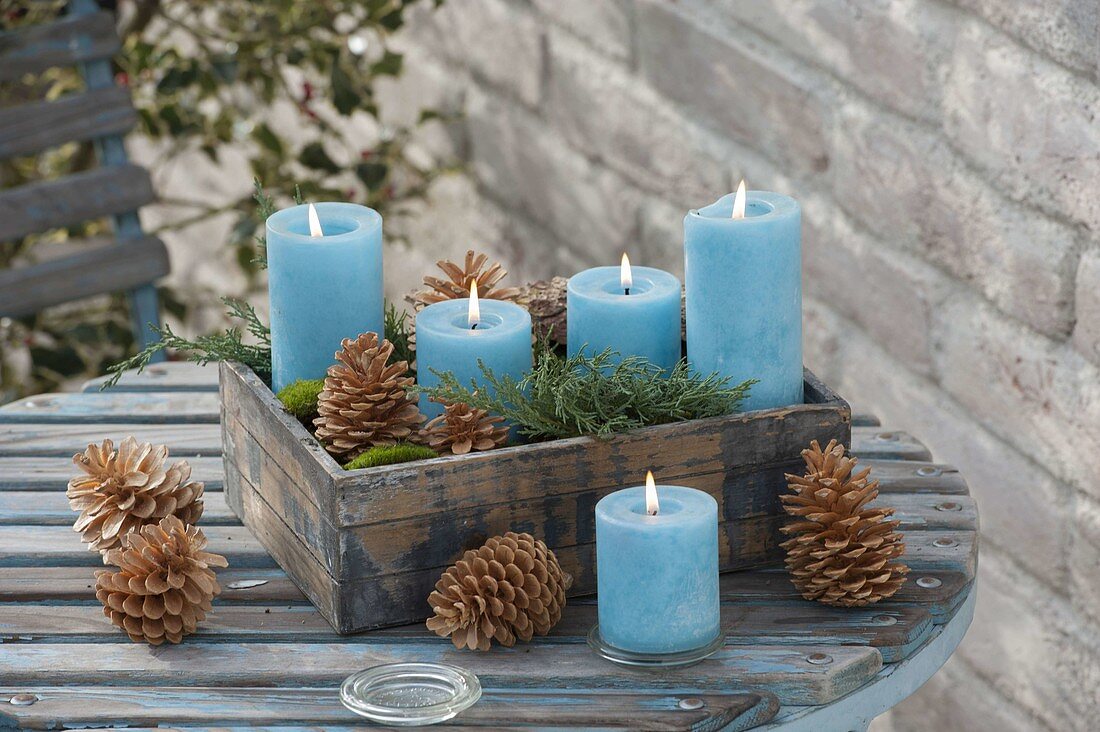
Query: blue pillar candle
point(657, 572)
point(454, 335)
point(323, 288)
point(633, 311)
point(744, 295)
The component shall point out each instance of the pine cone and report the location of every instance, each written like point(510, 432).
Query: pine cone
point(546, 303)
point(511, 587)
point(164, 584)
point(125, 489)
point(365, 401)
point(462, 428)
point(841, 552)
point(457, 284)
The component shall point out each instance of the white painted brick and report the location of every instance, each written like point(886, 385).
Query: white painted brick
point(904, 184)
point(1068, 31)
point(1022, 641)
point(1023, 508)
point(893, 50)
point(604, 111)
point(661, 242)
point(823, 348)
point(499, 41)
point(733, 88)
point(889, 293)
point(606, 24)
point(1031, 123)
point(1085, 559)
point(425, 83)
point(956, 698)
point(529, 167)
point(1086, 334)
point(1040, 396)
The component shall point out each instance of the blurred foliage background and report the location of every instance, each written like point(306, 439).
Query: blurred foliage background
point(207, 77)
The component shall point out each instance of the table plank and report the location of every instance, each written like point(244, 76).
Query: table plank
point(104, 408)
point(879, 444)
point(65, 440)
point(51, 508)
point(53, 473)
point(25, 546)
point(173, 376)
point(99, 706)
point(895, 632)
point(782, 670)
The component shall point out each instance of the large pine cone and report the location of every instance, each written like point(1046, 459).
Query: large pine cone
point(124, 489)
point(462, 428)
point(365, 401)
point(164, 583)
point(511, 587)
point(457, 284)
point(840, 553)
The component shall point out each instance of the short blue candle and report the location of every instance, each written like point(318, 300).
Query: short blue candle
point(600, 314)
point(446, 342)
point(323, 289)
point(744, 295)
point(658, 575)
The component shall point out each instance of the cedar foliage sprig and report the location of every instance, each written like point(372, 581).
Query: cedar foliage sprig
point(399, 334)
point(592, 395)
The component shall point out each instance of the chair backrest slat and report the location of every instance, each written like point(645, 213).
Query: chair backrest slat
point(35, 126)
point(119, 266)
point(70, 40)
point(73, 199)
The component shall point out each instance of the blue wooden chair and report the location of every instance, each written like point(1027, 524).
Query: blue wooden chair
point(103, 113)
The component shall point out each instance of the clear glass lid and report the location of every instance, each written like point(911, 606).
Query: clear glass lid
point(410, 694)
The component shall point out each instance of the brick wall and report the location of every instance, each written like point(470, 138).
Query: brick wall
point(947, 155)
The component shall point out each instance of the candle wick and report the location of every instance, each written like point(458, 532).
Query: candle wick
point(473, 327)
point(627, 289)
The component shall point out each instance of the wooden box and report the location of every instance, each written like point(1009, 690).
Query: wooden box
point(367, 546)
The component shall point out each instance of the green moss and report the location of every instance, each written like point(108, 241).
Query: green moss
point(300, 398)
point(402, 452)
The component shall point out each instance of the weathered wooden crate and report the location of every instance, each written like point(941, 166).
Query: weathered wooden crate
point(367, 546)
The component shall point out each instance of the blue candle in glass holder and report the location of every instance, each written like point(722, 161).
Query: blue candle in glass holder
point(743, 270)
point(454, 335)
point(634, 311)
point(325, 284)
point(657, 569)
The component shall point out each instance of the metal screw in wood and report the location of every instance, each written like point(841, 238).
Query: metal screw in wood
point(944, 542)
point(927, 471)
point(887, 437)
point(929, 583)
point(23, 700)
point(691, 703)
point(949, 506)
point(885, 619)
point(819, 659)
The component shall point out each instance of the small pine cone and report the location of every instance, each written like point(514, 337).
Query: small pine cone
point(122, 490)
point(462, 428)
point(164, 584)
point(840, 553)
point(365, 401)
point(457, 283)
point(511, 587)
point(546, 303)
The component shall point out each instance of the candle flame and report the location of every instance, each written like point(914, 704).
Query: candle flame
point(474, 316)
point(739, 201)
point(652, 506)
point(314, 223)
point(626, 277)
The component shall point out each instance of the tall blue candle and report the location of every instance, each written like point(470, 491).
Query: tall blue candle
point(634, 311)
point(454, 335)
point(323, 288)
point(657, 572)
point(744, 295)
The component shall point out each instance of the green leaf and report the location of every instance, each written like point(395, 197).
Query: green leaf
point(267, 139)
point(372, 174)
point(389, 64)
point(344, 95)
point(314, 156)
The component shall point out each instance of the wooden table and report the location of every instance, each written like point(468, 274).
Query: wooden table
point(265, 657)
